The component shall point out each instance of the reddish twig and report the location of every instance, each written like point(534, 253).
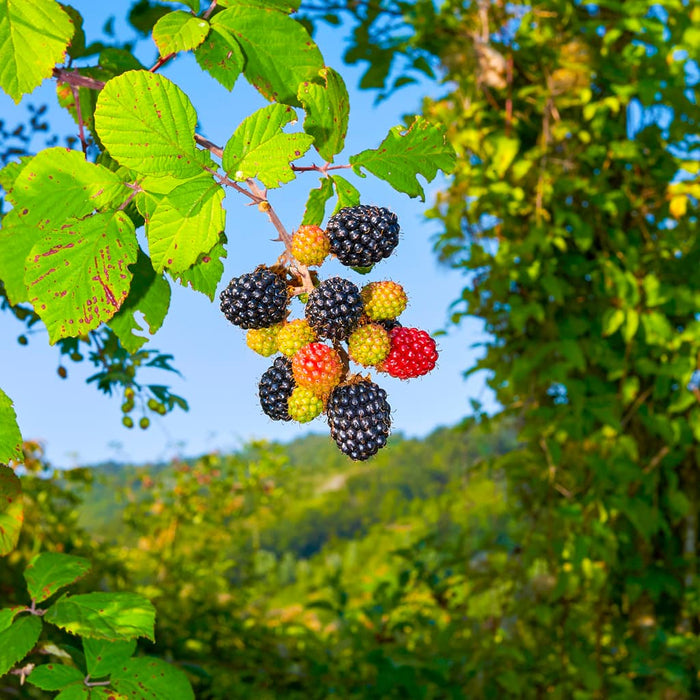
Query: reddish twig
point(79, 114)
point(207, 13)
point(318, 168)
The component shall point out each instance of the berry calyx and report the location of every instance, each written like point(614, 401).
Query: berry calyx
point(383, 300)
point(256, 299)
point(363, 235)
point(359, 417)
point(369, 345)
point(310, 245)
point(318, 368)
point(304, 405)
point(334, 308)
point(275, 388)
point(294, 335)
point(263, 340)
point(413, 353)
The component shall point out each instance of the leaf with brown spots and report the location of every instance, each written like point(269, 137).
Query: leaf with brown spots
point(147, 124)
point(18, 640)
point(104, 615)
point(10, 437)
point(151, 679)
point(103, 656)
point(79, 276)
point(221, 56)
point(48, 572)
point(179, 31)
point(420, 149)
point(204, 276)
point(55, 676)
point(11, 510)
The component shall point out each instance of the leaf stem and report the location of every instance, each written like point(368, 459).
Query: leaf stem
point(318, 168)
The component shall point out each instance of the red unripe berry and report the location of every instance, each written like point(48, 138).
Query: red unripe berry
point(317, 367)
point(413, 353)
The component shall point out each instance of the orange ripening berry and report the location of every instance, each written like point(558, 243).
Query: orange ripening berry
point(310, 245)
point(317, 367)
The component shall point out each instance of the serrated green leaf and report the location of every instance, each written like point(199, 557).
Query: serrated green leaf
point(11, 510)
point(48, 572)
point(18, 640)
point(76, 48)
point(259, 148)
point(315, 210)
point(406, 153)
point(10, 436)
point(147, 124)
point(348, 194)
point(149, 296)
point(7, 616)
point(179, 31)
point(184, 224)
point(287, 6)
point(79, 276)
point(103, 657)
point(118, 61)
point(279, 52)
point(55, 186)
point(11, 172)
point(79, 691)
point(204, 276)
point(327, 111)
point(151, 679)
point(104, 615)
point(221, 56)
point(34, 37)
point(54, 676)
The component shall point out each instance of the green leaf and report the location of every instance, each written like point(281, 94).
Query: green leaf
point(279, 52)
point(147, 124)
point(612, 320)
point(48, 572)
point(179, 31)
point(55, 186)
point(348, 194)
point(79, 691)
point(186, 223)
point(10, 436)
point(104, 657)
point(327, 111)
point(7, 615)
point(10, 173)
point(204, 276)
point(11, 510)
point(54, 676)
point(149, 296)
point(104, 615)
point(151, 679)
point(79, 276)
point(405, 153)
point(286, 6)
point(315, 209)
point(34, 37)
point(18, 640)
point(259, 148)
point(221, 56)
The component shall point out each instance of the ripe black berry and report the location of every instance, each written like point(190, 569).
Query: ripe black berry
point(359, 417)
point(255, 300)
point(363, 235)
point(275, 388)
point(334, 308)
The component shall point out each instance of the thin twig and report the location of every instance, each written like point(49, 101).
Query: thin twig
point(207, 13)
point(318, 168)
point(79, 114)
point(162, 60)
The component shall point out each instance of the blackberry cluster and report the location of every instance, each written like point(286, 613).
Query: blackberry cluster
point(342, 324)
point(275, 388)
point(359, 417)
point(363, 235)
point(334, 308)
point(255, 300)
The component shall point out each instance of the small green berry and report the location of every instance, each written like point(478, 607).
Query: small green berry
point(144, 423)
point(303, 405)
point(128, 406)
point(22, 340)
point(128, 421)
point(62, 372)
point(153, 404)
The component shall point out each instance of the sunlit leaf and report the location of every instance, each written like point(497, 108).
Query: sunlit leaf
point(10, 437)
point(18, 640)
point(48, 572)
point(179, 31)
point(11, 510)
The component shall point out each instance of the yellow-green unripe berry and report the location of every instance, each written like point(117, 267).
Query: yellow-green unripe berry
point(383, 300)
point(295, 335)
point(369, 345)
point(144, 423)
point(128, 421)
point(310, 245)
point(263, 340)
point(303, 405)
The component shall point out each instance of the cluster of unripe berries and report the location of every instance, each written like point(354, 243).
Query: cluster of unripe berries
point(342, 323)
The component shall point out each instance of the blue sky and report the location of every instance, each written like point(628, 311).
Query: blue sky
point(219, 373)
